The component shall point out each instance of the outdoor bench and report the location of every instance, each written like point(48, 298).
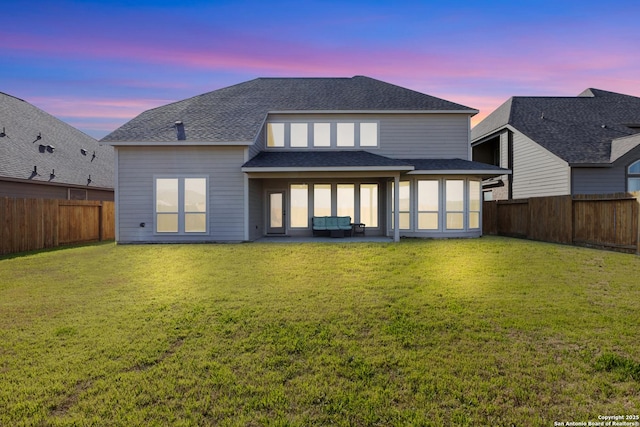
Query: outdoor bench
point(335, 226)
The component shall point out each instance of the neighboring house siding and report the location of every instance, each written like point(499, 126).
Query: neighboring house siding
point(136, 170)
point(42, 191)
point(537, 172)
point(604, 180)
point(409, 136)
point(598, 180)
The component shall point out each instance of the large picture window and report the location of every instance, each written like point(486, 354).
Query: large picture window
point(181, 205)
point(428, 204)
point(345, 200)
point(405, 205)
point(369, 205)
point(299, 206)
point(474, 204)
point(322, 200)
point(633, 177)
point(454, 193)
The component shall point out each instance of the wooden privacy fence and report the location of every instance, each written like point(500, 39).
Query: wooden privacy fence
point(31, 224)
point(607, 221)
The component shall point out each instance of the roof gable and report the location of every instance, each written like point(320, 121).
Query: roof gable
point(60, 153)
point(236, 113)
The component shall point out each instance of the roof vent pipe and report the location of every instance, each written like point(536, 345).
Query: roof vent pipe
point(180, 133)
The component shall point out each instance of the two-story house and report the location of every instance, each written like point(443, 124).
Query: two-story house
point(561, 145)
point(263, 157)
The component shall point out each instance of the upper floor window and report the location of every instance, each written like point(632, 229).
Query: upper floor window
point(275, 134)
point(633, 176)
point(339, 134)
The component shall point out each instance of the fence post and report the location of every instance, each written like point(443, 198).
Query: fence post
point(100, 226)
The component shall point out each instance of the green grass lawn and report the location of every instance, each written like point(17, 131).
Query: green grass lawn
point(489, 331)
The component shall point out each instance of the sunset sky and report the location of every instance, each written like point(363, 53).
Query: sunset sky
point(96, 64)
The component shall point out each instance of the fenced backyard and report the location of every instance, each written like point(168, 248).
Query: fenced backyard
point(604, 221)
point(32, 224)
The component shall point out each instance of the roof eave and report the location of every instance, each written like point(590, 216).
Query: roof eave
point(470, 111)
point(176, 143)
point(482, 172)
point(328, 169)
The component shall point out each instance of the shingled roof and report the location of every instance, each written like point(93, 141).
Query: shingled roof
point(236, 113)
point(578, 129)
point(38, 147)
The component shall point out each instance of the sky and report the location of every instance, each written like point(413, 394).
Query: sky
point(97, 64)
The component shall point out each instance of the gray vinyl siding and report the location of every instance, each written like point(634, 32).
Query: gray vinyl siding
point(259, 143)
point(419, 136)
point(137, 167)
point(25, 190)
point(537, 172)
point(408, 136)
point(604, 180)
point(598, 180)
point(504, 150)
point(256, 210)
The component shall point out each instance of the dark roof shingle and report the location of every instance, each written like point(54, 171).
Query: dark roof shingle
point(236, 113)
point(577, 129)
point(27, 133)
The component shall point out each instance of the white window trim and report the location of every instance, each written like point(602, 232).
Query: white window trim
point(181, 211)
point(333, 136)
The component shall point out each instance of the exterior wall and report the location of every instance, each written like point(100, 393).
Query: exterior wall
point(537, 172)
point(411, 136)
point(135, 201)
point(603, 180)
point(44, 191)
point(259, 144)
point(257, 209)
point(598, 180)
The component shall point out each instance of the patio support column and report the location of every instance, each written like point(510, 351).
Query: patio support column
point(396, 205)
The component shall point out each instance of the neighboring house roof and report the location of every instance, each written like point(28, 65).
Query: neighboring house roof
point(579, 130)
point(38, 147)
point(237, 113)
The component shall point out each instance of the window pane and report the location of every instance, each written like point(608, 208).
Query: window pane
point(195, 195)
point(428, 221)
point(345, 200)
point(369, 204)
point(405, 221)
point(299, 206)
point(474, 195)
point(275, 210)
point(167, 195)
point(195, 223)
point(299, 135)
point(635, 168)
point(455, 195)
point(167, 223)
point(322, 200)
point(474, 220)
point(455, 221)
point(405, 199)
point(368, 134)
point(275, 134)
point(322, 134)
point(634, 184)
point(346, 134)
point(428, 195)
